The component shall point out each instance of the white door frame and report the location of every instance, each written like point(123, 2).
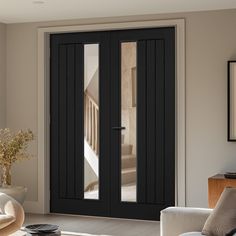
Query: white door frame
point(42, 205)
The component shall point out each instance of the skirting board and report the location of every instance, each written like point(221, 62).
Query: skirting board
point(33, 207)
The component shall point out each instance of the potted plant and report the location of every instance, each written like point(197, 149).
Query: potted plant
point(12, 149)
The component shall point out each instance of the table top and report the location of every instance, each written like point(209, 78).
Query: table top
point(221, 177)
point(217, 176)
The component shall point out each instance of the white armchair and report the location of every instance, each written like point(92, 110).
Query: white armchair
point(177, 221)
point(11, 215)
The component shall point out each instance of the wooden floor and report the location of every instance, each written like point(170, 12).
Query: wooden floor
point(97, 226)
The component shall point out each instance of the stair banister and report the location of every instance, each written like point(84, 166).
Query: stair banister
point(91, 122)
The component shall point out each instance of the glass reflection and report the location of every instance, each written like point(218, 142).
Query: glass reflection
point(91, 121)
point(128, 119)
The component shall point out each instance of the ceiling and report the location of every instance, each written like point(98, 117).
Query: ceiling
point(14, 11)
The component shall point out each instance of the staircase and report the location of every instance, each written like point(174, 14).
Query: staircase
point(91, 145)
point(128, 165)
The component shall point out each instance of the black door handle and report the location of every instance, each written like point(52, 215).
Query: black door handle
point(118, 128)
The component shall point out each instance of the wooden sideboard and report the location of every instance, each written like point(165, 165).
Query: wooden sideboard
point(216, 185)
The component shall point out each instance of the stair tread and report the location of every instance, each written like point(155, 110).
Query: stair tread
point(129, 156)
point(126, 149)
point(128, 170)
point(126, 144)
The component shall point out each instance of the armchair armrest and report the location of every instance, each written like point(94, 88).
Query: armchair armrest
point(177, 220)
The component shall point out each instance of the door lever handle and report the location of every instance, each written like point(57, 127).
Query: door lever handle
point(118, 128)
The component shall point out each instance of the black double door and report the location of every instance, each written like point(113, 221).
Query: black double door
point(112, 134)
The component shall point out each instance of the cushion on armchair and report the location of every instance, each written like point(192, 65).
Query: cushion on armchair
point(6, 220)
point(223, 218)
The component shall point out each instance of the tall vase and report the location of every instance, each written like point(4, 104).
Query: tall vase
point(6, 175)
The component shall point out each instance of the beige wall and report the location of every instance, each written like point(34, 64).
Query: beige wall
point(22, 98)
point(210, 42)
point(2, 75)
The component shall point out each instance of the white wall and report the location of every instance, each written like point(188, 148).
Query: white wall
point(2, 75)
point(210, 42)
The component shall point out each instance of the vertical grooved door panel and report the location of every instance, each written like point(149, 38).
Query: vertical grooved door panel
point(62, 126)
point(160, 122)
point(151, 120)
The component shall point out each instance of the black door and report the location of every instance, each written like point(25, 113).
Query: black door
point(67, 163)
point(154, 51)
point(113, 123)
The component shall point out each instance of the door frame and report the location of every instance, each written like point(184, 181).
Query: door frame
point(42, 205)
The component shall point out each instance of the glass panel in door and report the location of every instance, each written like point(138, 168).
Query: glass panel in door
point(128, 121)
point(91, 121)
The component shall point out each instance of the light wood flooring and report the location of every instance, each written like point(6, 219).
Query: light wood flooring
point(97, 225)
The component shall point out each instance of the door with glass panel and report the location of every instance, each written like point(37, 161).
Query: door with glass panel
point(80, 151)
point(113, 123)
point(143, 122)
